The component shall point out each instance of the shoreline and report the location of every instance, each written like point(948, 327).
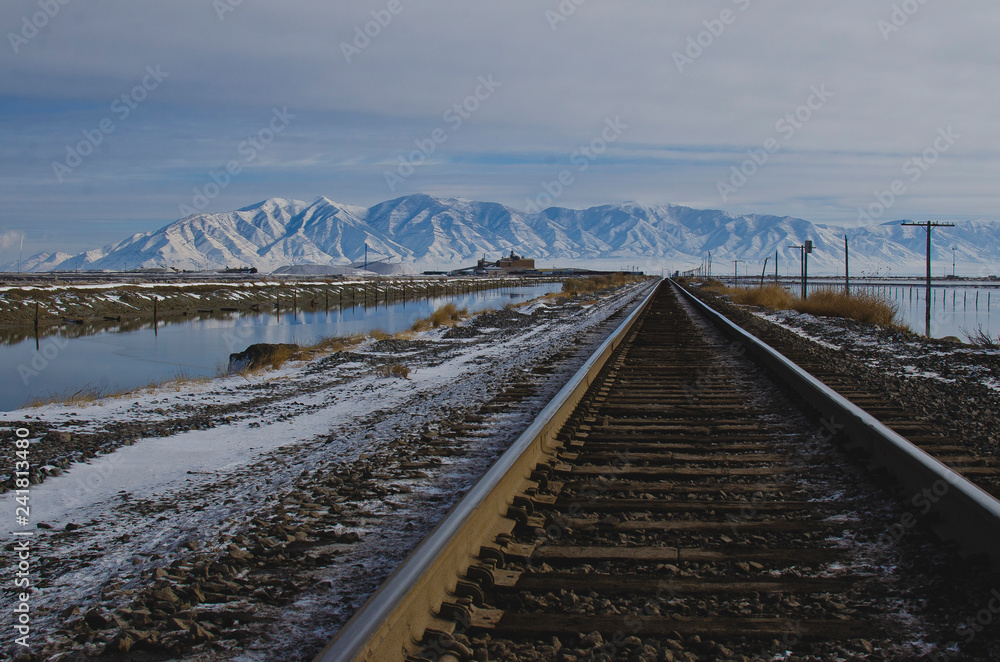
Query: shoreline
point(132, 303)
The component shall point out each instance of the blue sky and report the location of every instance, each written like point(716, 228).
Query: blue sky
point(825, 104)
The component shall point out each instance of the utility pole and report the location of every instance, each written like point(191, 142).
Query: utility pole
point(847, 268)
point(953, 249)
point(709, 264)
point(764, 270)
point(736, 273)
point(806, 250)
point(928, 225)
point(775, 266)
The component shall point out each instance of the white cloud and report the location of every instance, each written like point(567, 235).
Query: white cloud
point(10, 238)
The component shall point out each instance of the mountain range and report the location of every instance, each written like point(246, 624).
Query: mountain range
point(432, 233)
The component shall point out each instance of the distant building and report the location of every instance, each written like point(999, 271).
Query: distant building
point(512, 264)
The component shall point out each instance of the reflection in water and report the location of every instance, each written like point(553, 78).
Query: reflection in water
point(12, 336)
point(955, 308)
point(108, 356)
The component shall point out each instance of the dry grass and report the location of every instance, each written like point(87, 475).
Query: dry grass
point(93, 395)
point(331, 345)
point(868, 308)
point(446, 315)
point(83, 398)
point(574, 286)
point(399, 370)
point(379, 334)
point(423, 324)
point(772, 297)
point(278, 357)
point(337, 343)
point(863, 307)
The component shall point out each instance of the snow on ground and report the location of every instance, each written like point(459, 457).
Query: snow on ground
point(909, 356)
point(780, 318)
point(406, 448)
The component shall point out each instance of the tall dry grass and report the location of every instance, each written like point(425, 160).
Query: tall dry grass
point(772, 297)
point(574, 286)
point(861, 307)
point(281, 353)
point(446, 315)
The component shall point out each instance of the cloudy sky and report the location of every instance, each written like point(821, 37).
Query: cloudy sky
point(121, 116)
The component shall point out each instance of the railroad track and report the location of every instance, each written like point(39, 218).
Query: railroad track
point(673, 503)
point(940, 443)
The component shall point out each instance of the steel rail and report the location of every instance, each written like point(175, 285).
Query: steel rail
point(968, 514)
point(396, 616)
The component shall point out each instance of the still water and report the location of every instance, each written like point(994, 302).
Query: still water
point(956, 309)
point(113, 359)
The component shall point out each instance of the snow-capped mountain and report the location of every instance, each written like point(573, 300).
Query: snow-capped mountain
point(43, 261)
point(436, 233)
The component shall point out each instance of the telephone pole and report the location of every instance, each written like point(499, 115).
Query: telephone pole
point(806, 250)
point(736, 273)
point(928, 225)
point(847, 268)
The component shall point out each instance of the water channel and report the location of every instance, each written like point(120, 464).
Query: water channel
point(116, 358)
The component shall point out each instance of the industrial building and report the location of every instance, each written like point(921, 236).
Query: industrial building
point(513, 264)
